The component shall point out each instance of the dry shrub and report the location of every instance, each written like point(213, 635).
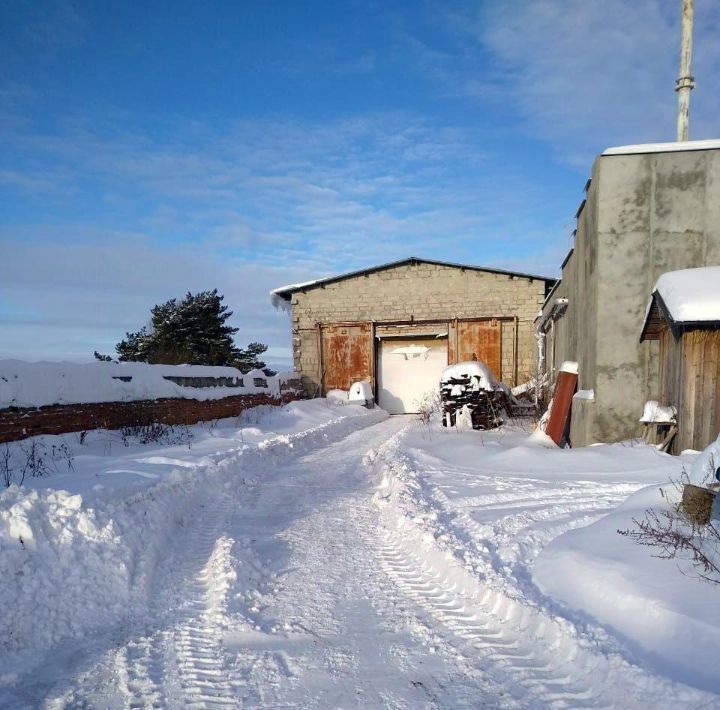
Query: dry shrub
point(676, 534)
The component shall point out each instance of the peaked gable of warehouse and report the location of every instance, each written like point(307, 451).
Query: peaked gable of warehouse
point(285, 292)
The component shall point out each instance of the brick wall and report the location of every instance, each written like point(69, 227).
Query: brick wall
point(420, 292)
point(16, 423)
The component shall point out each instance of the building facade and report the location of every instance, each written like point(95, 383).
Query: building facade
point(648, 210)
point(399, 324)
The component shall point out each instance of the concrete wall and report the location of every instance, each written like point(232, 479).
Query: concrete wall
point(421, 292)
point(646, 214)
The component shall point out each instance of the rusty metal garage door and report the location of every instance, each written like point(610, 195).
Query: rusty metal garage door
point(478, 338)
point(346, 354)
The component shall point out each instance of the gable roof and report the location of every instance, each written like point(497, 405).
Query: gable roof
point(683, 299)
point(285, 292)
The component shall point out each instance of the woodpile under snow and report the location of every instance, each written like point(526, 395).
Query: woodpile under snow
point(471, 396)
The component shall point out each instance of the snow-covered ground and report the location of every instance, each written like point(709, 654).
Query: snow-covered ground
point(322, 555)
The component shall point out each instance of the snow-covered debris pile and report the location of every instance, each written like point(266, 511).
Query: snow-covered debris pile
point(36, 384)
point(470, 393)
point(691, 295)
point(656, 413)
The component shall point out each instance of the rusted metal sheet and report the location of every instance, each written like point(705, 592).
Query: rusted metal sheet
point(347, 355)
point(479, 340)
point(562, 401)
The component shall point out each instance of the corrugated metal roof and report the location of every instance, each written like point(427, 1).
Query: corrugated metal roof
point(286, 291)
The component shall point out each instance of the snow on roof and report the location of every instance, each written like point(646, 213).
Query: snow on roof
point(280, 301)
point(691, 295)
point(675, 147)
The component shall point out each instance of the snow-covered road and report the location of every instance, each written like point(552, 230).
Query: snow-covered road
point(273, 598)
point(346, 576)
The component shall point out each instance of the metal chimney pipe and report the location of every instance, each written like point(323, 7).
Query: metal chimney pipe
point(686, 82)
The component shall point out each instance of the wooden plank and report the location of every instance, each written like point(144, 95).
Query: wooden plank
point(687, 422)
point(711, 356)
point(715, 394)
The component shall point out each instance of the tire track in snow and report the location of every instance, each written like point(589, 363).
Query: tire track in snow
point(537, 657)
point(514, 540)
point(542, 660)
point(195, 644)
point(182, 664)
point(178, 662)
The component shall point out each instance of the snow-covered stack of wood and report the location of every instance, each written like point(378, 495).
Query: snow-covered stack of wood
point(470, 394)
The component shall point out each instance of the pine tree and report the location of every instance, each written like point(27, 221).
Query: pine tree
point(193, 330)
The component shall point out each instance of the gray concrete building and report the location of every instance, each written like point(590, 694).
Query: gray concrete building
point(648, 209)
point(398, 325)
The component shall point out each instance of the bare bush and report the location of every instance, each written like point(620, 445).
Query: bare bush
point(677, 536)
point(6, 469)
point(35, 463)
point(157, 433)
point(429, 406)
point(61, 452)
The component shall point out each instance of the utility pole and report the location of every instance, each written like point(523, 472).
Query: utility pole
point(686, 82)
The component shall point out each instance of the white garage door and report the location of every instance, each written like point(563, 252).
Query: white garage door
point(409, 370)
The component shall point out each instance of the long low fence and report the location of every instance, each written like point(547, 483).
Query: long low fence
point(57, 398)
point(20, 423)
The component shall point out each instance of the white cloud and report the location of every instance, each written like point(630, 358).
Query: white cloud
point(243, 207)
point(584, 75)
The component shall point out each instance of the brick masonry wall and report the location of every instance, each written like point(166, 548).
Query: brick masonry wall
point(423, 292)
point(16, 423)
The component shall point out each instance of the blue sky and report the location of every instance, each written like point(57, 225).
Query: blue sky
point(148, 149)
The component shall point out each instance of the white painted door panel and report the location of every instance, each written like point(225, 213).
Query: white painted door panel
point(408, 371)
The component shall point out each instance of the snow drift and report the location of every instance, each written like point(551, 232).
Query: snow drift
point(74, 561)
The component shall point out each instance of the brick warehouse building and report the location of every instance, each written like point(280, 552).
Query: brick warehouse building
point(399, 324)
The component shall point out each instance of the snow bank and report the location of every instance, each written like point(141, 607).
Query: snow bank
point(81, 555)
point(35, 384)
point(704, 467)
point(479, 373)
point(476, 523)
point(337, 396)
point(671, 619)
point(656, 413)
point(691, 295)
